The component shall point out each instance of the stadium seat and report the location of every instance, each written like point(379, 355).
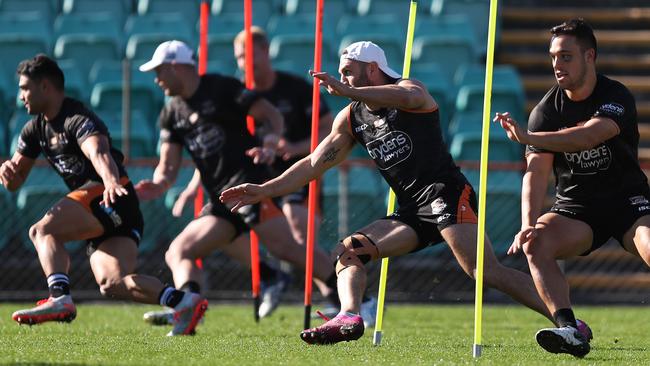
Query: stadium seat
point(262, 10)
point(476, 10)
point(26, 23)
point(16, 48)
point(220, 48)
point(332, 9)
point(4, 138)
point(448, 51)
point(172, 26)
point(225, 26)
point(297, 47)
point(384, 7)
point(379, 24)
point(118, 10)
point(187, 9)
point(75, 81)
point(100, 24)
point(470, 98)
point(297, 24)
point(16, 123)
point(44, 8)
point(466, 146)
point(466, 121)
point(78, 46)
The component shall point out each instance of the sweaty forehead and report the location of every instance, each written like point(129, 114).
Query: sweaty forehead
point(346, 63)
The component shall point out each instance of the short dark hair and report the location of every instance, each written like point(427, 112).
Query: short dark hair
point(42, 67)
point(581, 30)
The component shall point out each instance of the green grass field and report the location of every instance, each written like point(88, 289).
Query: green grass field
point(114, 334)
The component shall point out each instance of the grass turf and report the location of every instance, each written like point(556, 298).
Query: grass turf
point(114, 334)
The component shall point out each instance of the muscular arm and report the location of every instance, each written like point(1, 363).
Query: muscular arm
point(329, 153)
point(534, 186)
point(167, 169)
point(97, 150)
point(582, 137)
point(14, 172)
point(405, 94)
point(262, 110)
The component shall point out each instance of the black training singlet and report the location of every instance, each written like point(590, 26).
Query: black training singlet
point(407, 147)
point(291, 95)
point(60, 141)
point(211, 125)
point(604, 171)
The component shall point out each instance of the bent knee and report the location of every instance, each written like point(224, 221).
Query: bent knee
point(355, 250)
point(37, 231)
point(110, 287)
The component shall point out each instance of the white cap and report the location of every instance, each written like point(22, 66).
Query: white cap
point(169, 52)
point(366, 51)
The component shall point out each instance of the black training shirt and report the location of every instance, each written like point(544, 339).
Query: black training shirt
point(211, 125)
point(60, 141)
point(606, 170)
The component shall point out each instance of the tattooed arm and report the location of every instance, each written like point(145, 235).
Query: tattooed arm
point(331, 151)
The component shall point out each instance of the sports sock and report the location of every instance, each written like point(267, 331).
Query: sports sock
point(58, 284)
point(191, 286)
point(564, 317)
point(170, 297)
point(267, 273)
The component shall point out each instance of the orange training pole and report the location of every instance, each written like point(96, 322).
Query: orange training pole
point(203, 65)
point(312, 201)
point(250, 123)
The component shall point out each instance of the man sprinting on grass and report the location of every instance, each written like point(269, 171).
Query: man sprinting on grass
point(585, 130)
point(102, 206)
point(397, 121)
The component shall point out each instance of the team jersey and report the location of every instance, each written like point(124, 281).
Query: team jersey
point(407, 147)
point(292, 96)
point(60, 141)
point(603, 171)
point(211, 125)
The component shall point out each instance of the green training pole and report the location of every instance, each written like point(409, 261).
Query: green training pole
point(383, 277)
point(485, 138)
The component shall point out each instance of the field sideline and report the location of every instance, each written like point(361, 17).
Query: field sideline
point(114, 334)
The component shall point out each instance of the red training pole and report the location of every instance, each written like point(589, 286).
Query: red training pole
point(312, 201)
point(203, 66)
point(250, 124)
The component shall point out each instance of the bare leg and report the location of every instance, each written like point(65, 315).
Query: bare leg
point(113, 264)
point(637, 239)
point(462, 241)
point(199, 238)
point(65, 221)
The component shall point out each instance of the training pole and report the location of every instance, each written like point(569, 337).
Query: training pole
point(485, 139)
point(383, 277)
point(312, 200)
point(250, 124)
point(203, 68)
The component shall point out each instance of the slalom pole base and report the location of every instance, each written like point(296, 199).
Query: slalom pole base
point(476, 350)
point(376, 338)
point(307, 319)
point(256, 308)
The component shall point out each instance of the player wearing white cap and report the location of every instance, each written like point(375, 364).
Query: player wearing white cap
point(397, 121)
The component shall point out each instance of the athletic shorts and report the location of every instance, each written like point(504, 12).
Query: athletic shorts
point(610, 218)
point(122, 218)
point(246, 217)
point(447, 204)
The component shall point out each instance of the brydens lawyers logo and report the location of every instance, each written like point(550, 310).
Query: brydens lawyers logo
point(611, 109)
point(390, 149)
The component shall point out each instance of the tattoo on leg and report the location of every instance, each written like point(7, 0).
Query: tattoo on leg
point(330, 154)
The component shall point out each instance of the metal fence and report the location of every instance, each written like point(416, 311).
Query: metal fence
point(353, 195)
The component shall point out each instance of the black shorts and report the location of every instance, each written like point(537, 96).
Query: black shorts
point(246, 217)
point(122, 218)
point(447, 204)
point(610, 218)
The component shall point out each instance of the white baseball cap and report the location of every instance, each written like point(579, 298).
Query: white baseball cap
point(169, 52)
point(366, 51)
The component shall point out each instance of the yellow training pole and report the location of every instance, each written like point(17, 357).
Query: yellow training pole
point(383, 277)
point(485, 138)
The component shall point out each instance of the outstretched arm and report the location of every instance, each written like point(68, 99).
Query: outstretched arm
point(533, 191)
point(188, 194)
point(405, 94)
point(331, 151)
point(97, 150)
point(165, 174)
point(582, 137)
